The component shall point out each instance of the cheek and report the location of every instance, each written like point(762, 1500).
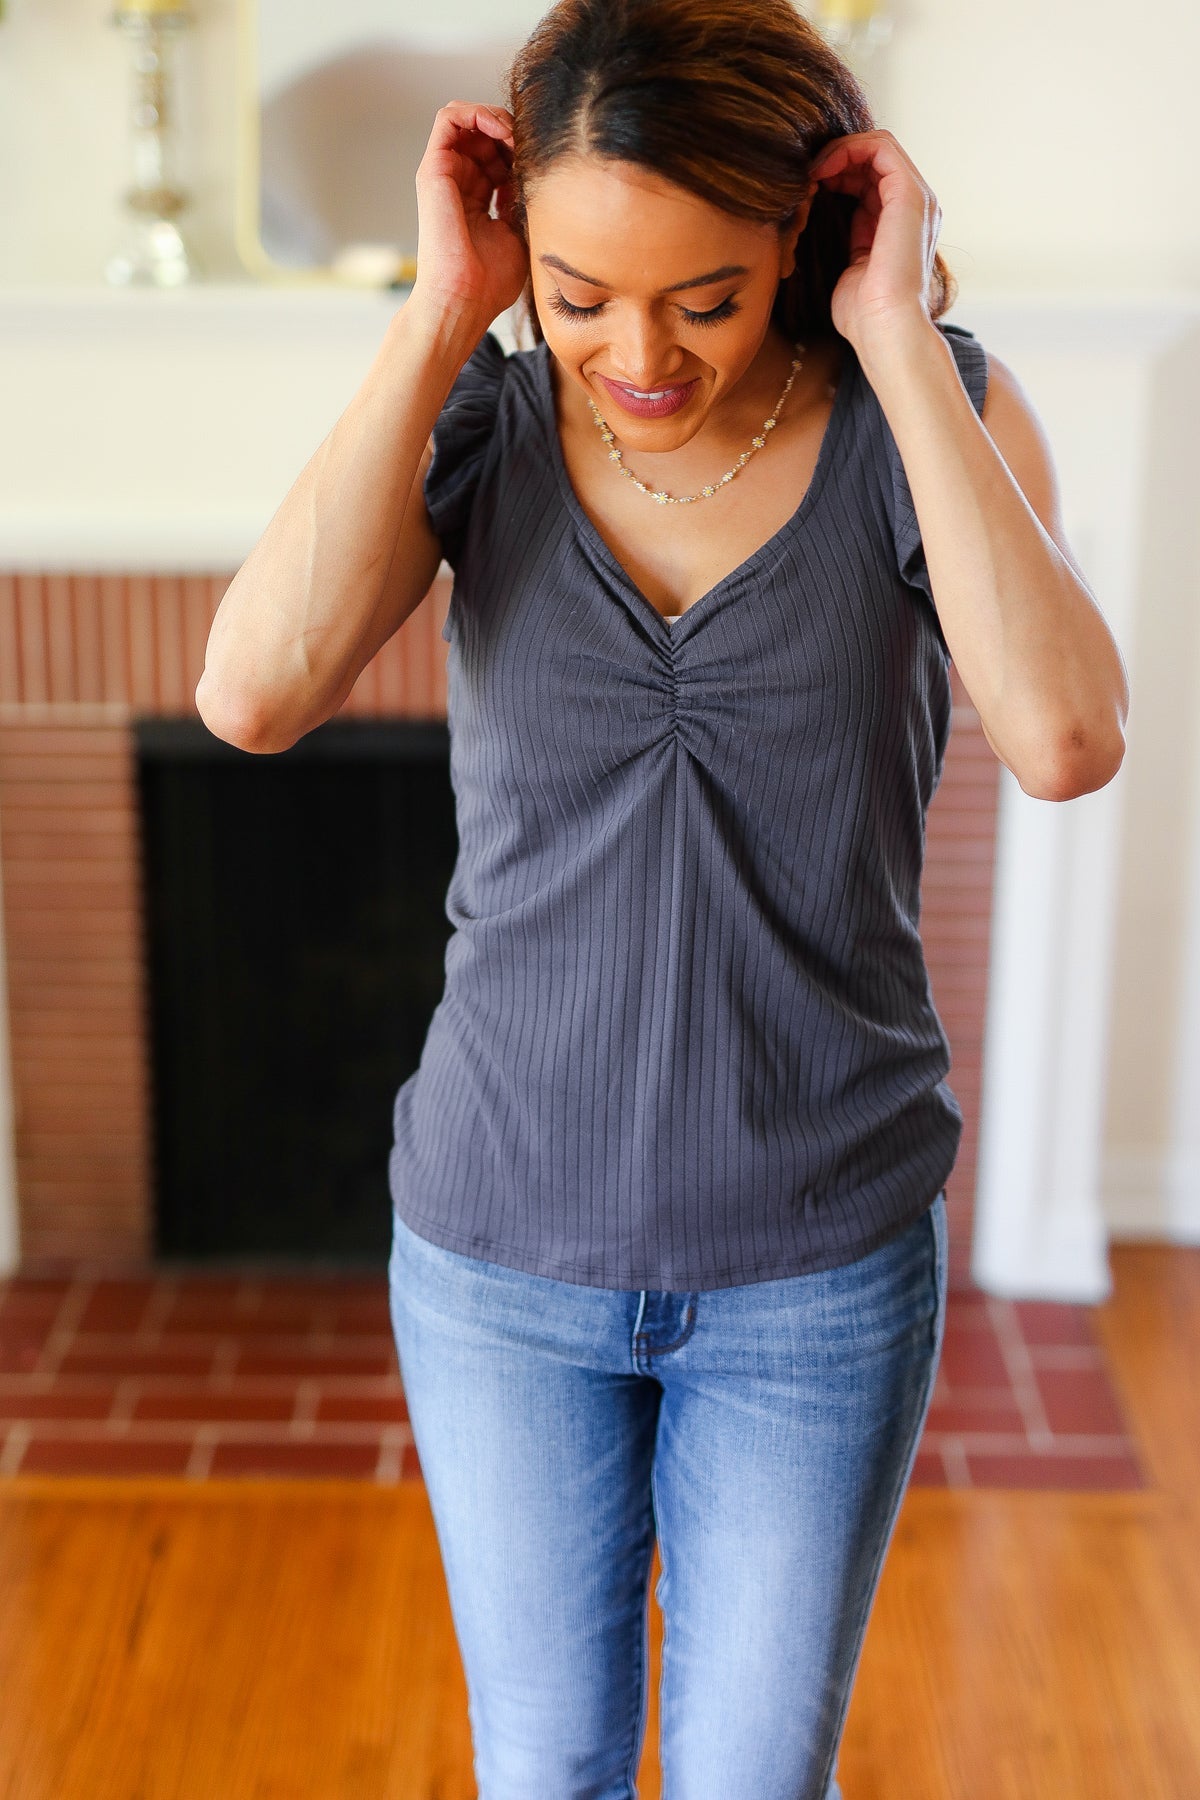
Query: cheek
point(564, 338)
point(571, 345)
point(734, 347)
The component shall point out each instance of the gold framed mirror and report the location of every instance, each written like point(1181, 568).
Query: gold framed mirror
point(334, 108)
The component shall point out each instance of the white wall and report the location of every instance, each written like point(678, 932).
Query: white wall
point(1054, 136)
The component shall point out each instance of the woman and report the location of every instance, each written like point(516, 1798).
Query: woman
point(670, 1246)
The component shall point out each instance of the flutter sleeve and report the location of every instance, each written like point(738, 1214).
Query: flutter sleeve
point(460, 440)
point(971, 358)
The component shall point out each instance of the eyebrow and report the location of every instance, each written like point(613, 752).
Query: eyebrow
point(677, 287)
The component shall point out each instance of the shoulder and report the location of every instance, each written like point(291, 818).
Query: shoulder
point(1006, 409)
point(971, 359)
point(495, 362)
point(482, 375)
point(480, 395)
point(522, 371)
point(1009, 413)
point(495, 383)
point(1011, 420)
point(472, 435)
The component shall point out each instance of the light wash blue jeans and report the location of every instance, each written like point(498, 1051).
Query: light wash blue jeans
point(764, 1434)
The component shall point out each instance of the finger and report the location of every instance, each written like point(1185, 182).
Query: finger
point(493, 155)
point(459, 116)
point(471, 159)
point(838, 153)
point(862, 236)
point(850, 181)
point(855, 176)
point(495, 120)
point(497, 167)
point(876, 188)
point(867, 193)
point(471, 180)
point(861, 148)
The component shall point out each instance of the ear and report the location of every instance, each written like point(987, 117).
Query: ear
point(789, 234)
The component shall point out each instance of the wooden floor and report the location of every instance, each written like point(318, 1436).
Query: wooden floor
point(239, 1640)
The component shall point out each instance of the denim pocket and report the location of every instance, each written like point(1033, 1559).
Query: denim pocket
point(893, 1295)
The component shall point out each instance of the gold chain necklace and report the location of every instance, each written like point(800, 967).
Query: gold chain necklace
point(659, 494)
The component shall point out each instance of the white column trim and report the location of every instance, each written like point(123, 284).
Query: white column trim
point(1039, 1224)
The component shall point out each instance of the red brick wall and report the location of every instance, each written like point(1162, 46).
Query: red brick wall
point(80, 657)
point(69, 833)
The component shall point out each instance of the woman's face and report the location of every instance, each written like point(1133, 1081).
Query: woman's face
point(654, 302)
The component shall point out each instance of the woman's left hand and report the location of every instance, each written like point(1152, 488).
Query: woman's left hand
point(893, 235)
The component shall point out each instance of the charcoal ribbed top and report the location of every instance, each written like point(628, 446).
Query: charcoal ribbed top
point(686, 1037)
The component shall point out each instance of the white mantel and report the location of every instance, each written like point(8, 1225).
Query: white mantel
point(160, 432)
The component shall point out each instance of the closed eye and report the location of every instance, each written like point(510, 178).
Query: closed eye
point(714, 316)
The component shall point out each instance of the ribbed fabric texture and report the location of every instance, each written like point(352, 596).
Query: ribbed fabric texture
point(686, 1038)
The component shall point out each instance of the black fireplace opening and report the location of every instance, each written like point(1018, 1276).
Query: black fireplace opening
point(295, 938)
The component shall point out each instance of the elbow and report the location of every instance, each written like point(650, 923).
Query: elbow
point(238, 719)
point(1083, 762)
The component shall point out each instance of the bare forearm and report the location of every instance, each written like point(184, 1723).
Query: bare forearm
point(291, 619)
point(1030, 643)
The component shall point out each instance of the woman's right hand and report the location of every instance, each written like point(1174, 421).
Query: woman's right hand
point(469, 265)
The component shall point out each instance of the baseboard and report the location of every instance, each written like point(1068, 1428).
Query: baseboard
point(1067, 1265)
point(1151, 1198)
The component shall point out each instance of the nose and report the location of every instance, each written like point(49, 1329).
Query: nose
point(643, 351)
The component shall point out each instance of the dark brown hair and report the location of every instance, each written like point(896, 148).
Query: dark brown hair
point(730, 99)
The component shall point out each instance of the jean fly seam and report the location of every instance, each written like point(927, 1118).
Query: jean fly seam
point(643, 1347)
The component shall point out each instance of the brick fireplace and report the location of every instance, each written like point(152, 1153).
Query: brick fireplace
point(81, 657)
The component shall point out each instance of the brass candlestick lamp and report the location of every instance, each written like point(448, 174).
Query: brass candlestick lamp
point(156, 254)
point(855, 28)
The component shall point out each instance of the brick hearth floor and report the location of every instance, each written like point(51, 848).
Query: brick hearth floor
point(204, 1375)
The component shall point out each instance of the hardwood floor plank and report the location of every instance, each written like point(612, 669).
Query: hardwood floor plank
point(232, 1640)
point(1032, 1645)
point(1150, 1329)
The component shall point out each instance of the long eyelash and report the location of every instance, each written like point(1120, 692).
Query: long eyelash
point(726, 310)
point(563, 306)
point(715, 316)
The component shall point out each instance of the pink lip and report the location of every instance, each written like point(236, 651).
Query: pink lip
point(671, 401)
